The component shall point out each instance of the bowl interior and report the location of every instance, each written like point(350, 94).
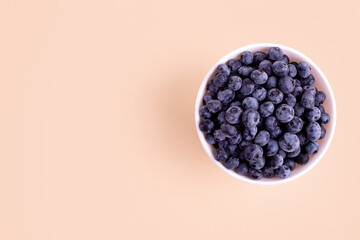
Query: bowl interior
point(320, 82)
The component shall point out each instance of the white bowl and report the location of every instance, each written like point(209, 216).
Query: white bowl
point(321, 83)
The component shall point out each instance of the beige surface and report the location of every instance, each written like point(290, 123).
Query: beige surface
point(97, 130)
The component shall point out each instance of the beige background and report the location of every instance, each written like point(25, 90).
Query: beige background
point(97, 133)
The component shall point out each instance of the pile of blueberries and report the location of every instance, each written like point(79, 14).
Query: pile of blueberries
point(263, 114)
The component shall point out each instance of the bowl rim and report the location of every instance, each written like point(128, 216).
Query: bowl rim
point(238, 51)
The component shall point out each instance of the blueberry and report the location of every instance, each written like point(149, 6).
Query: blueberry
point(275, 96)
point(324, 119)
point(313, 131)
point(245, 71)
point(275, 54)
point(222, 68)
point(243, 145)
point(250, 118)
point(294, 63)
point(259, 77)
point(285, 59)
point(297, 90)
point(275, 162)
point(313, 114)
point(308, 100)
point(250, 102)
point(249, 133)
point(311, 89)
point(233, 114)
point(228, 130)
point(280, 68)
point(294, 153)
point(271, 148)
point(302, 159)
point(289, 142)
point(299, 110)
point(234, 65)
point(223, 144)
point(212, 88)
point(319, 98)
point(262, 138)
point(268, 172)
point(266, 109)
point(275, 133)
point(234, 83)
point(271, 123)
point(257, 164)
point(266, 66)
point(221, 117)
point(221, 155)
point(214, 106)
point(233, 150)
point(207, 98)
point(204, 112)
point(206, 125)
point(219, 136)
point(282, 153)
point(255, 174)
point(286, 84)
point(284, 172)
point(226, 96)
point(235, 103)
point(290, 163)
point(247, 87)
point(310, 80)
point(284, 113)
point(258, 57)
point(210, 139)
point(323, 132)
point(242, 169)
point(311, 148)
point(232, 163)
point(220, 79)
point(302, 138)
point(259, 93)
point(303, 69)
point(290, 100)
point(295, 125)
point(292, 71)
point(236, 139)
point(246, 58)
point(322, 109)
point(271, 82)
point(253, 152)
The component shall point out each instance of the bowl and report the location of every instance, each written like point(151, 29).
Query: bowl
point(321, 83)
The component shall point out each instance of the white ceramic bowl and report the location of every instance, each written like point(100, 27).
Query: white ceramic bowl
point(321, 83)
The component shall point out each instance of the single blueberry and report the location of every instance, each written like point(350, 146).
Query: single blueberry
point(286, 84)
point(275, 54)
point(294, 63)
point(290, 163)
point(290, 100)
point(221, 155)
point(275, 96)
point(233, 150)
point(262, 138)
point(249, 133)
point(292, 71)
point(259, 93)
point(295, 125)
point(280, 68)
point(206, 125)
point(234, 65)
point(257, 164)
point(268, 172)
point(309, 81)
point(302, 138)
point(204, 112)
point(242, 169)
point(221, 117)
point(275, 162)
point(253, 152)
point(246, 58)
point(212, 88)
point(222, 68)
point(319, 98)
point(299, 110)
point(285, 59)
point(271, 82)
point(271, 123)
point(313, 114)
point(323, 132)
point(303, 69)
point(250, 102)
point(232, 115)
point(232, 163)
point(266, 109)
point(223, 144)
point(234, 83)
point(289, 142)
point(226, 96)
point(247, 87)
point(311, 148)
point(324, 119)
point(266, 66)
point(245, 71)
point(313, 131)
point(284, 172)
point(255, 174)
point(322, 109)
point(282, 153)
point(214, 105)
point(297, 90)
point(258, 57)
point(243, 144)
point(294, 153)
point(271, 148)
point(259, 77)
point(284, 113)
point(250, 118)
point(228, 131)
point(308, 100)
point(210, 139)
point(275, 133)
point(311, 89)
point(220, 79)
point(219, 136)
point(207, 98)
point(235, 103)
point(236, 139)
point(302, 159)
